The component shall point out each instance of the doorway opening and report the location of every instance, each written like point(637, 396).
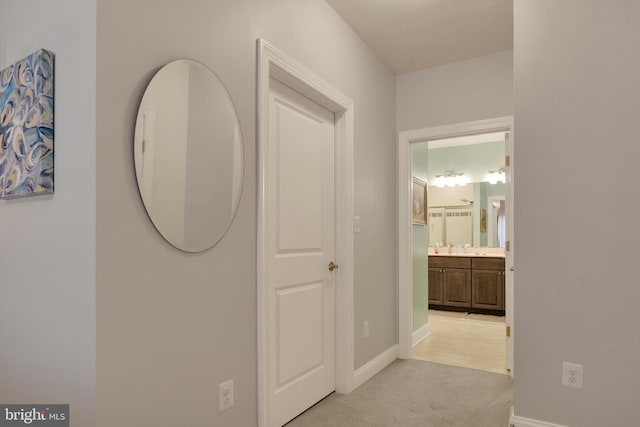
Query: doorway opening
point(465, 296)
point(455, 275)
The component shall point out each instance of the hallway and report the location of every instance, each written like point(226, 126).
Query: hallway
point(416, 393)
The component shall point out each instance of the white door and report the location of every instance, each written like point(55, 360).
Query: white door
point(509, 249)
point(300, 221)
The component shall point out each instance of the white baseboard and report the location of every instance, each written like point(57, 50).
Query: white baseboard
point(516, 421)
point(375, 365)
point(421, 333)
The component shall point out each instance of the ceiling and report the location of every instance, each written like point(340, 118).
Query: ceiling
point(411, 35)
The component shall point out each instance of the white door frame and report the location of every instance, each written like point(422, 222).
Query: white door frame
point(273, 63)
point(405, 268)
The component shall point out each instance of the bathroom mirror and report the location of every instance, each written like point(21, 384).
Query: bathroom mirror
point(188, 155)
point(474, 214)
point(466, 211)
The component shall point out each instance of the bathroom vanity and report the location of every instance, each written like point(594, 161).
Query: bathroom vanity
point(473, 283)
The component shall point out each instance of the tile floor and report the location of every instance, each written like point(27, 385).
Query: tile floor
point(475, 341)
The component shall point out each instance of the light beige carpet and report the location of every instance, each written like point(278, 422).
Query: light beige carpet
point(413, 393)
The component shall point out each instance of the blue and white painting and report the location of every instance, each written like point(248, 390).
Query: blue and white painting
point(26, 126)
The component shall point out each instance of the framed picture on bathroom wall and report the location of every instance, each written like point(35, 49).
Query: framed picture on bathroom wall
point(418, 201)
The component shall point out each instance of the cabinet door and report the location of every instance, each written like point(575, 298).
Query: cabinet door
point(457, 287)
point(435, 286)
point(488, 289)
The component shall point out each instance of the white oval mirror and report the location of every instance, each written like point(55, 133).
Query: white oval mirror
point(188, 155)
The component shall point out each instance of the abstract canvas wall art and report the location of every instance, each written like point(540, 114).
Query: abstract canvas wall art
point(26, 126)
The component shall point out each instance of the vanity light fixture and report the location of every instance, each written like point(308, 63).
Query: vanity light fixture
point(497, 176)
point(450, 179)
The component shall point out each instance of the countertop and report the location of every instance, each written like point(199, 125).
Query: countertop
point(470, 255)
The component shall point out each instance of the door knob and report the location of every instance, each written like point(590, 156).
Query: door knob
point(332, 266)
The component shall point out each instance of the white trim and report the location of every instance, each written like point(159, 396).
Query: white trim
point(273, 63)
point(509, 278)
point(465, 140)
point(405, 269)
point(421, 333)
point(375, 365)
point(516, 421)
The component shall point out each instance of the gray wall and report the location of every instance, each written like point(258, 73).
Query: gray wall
point(475, 89)
point(577, 83)
point(47, 256)
point(171, 325)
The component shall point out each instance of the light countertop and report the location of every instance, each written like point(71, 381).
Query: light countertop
point(470, 254)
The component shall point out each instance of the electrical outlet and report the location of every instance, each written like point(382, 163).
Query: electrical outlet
point(366, 329)
point(356, 224)
point(572, 375)
point(225, 395)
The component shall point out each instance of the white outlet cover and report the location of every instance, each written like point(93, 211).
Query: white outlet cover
point(225, 395)
point(572, 375)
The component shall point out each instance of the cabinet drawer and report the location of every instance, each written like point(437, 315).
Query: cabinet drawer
point(487, 263)
point(449, 262)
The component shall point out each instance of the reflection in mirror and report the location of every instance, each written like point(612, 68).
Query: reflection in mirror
point(463, 212)
point(188, 155)
point(455, 214)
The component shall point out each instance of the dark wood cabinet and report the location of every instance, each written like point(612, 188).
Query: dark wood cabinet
point(457, 287)
point(488, 283)
point(470, 283)
point(450, 278)
point(436, 294)
point(488, 289)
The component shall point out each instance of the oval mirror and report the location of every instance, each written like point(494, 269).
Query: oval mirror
point(188, 155)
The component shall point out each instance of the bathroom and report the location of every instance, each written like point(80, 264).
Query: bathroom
point(459, 249)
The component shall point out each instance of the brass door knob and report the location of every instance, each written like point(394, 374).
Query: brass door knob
point(332, 266)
